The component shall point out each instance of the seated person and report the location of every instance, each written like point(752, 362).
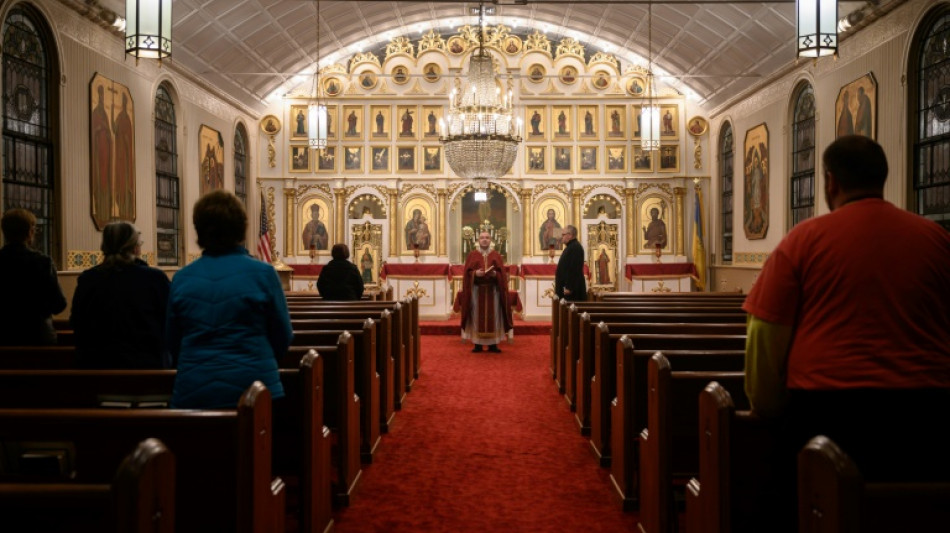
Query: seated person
point(118, 310)
point(340, 279)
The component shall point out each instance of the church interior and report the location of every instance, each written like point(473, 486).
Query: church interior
point(682, 139)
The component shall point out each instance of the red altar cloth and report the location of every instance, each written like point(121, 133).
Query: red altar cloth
point(415, 270)
point(660, 270)
point(546, 270)
point(307, 270)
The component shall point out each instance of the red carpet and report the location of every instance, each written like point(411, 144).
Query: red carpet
point(452, 327)
point(484, 443)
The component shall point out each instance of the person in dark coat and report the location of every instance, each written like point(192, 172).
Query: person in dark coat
point(569, 282)
point(31, 291)
point(118, 311)
point(340, 279)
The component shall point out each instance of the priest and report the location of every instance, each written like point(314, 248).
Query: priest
point(486, 316)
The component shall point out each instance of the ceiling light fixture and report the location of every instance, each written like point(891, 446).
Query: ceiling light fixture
point(650, 113)
point(317, 110)
point(817, 22)
point(148, 28)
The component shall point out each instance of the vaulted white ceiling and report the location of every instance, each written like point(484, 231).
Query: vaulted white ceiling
point(252, 48)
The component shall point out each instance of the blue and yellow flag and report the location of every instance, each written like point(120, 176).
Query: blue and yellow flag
point(699, 249)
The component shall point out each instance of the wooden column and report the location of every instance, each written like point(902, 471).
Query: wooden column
point(678, 194)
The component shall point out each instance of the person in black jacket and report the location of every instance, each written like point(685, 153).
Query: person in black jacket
point(28, 282)
point(119, 306)
point(569, 282)
point(340, 279)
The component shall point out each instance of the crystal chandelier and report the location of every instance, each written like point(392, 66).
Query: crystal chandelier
point(650, 113)
point(317, 110)
point(480, 133)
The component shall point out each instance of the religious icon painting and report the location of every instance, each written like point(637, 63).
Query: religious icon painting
point(616, 159)
point(353, 159)
point(615, 118)
point(270, 125)
point(512, 45)
point(400, 75)
point(567, 75)
point(379, 159)
point(332, 86)
point(407, 123)
point(563, 122)
point(669, 121)
point(601, 80)
point(300, 158)
point(587, 159)
point(406, 159)
point(636, 86)
point(563, 162)
point(536, 124)
point(536, 73)
point(654, 214)
point(326, 159)
point(298, 122)
point(380, 122)
point(455, 45)
point(352, 122)
point(431, 119)
point(432, 72)
point(368, 80)
point(211, 150)
point(535, 159)
point(315, 219)
point(333, 129)
point(642, 160)
point(636, 126)
point(550, 216)
point(669, 158)
point(697, 126)
point(588, 123)
point(432, 159)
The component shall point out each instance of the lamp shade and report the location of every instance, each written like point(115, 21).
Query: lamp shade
point(650, 127)
point(817, 27)
point(148, 29)
point(317, 115)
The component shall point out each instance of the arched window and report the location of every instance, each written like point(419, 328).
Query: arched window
point(931, 112)
point(28, 96)
point(726, 156)
point(240, 163)
point(167, 189)
point(802, 183)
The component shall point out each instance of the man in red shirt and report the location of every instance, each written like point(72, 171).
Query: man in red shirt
point(849, 327)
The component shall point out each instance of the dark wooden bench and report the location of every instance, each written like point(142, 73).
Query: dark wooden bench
point(834, 497)
point(625, 415)
point(14, 357)
point(668, 444)
point(140, 498)
point(223, 481)
point(366, 378)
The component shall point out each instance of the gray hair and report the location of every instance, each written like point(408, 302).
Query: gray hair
point(119, 241)
point(572, 230)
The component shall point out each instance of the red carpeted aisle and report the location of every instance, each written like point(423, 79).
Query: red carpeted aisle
point(484, 443)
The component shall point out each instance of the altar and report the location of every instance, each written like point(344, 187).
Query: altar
point(660, 277)
point(430, 282)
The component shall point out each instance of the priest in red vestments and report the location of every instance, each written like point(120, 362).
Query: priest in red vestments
point(486, 316)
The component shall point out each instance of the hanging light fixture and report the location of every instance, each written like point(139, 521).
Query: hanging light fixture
point(317, 110)
point(650, 113)
point(148, 28)
point(817, 27)
point(480, 132)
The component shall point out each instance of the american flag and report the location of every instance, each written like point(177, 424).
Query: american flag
point(263, 243)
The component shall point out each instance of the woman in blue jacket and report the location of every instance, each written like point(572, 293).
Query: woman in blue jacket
point(227, 314)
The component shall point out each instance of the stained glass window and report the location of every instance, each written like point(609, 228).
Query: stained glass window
point(240, 163)
point(802, 183)
point(168, 190)
point(726, 156)
point(932, 143)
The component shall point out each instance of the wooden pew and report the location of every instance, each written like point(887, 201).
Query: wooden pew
point(301, 441)
point(833, 497)
point(223, 480)
point(620, 427)
point(341, 412)
point(735, 480)
point(14, 357)
point(586, 358)
point(668, 443)
point(605, 385)
point(608, 296)
point(140, 499)
point(366, 378)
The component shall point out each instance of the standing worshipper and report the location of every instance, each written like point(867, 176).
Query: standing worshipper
point(340, 279)
point(28, 283)
point(486, 316)
point(227, 314)
point(569, 282)
point(118, 311)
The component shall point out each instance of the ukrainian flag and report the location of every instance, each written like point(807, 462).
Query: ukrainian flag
point(699, 250)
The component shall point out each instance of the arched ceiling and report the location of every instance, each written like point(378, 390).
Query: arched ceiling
point(717, 49)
